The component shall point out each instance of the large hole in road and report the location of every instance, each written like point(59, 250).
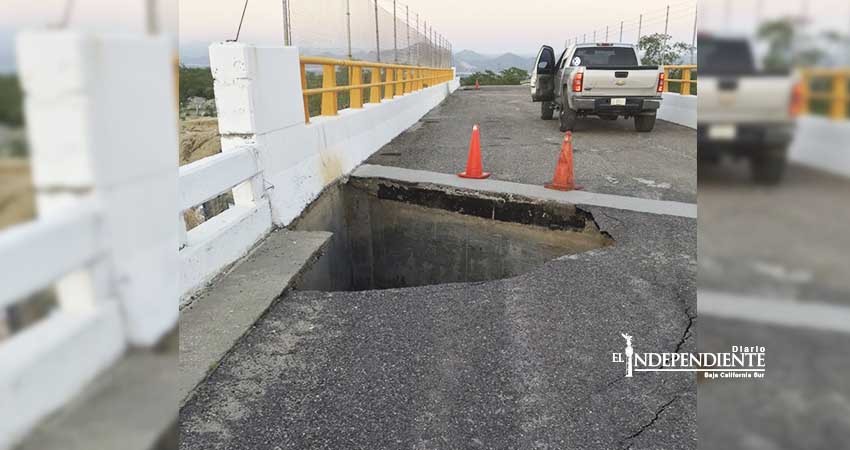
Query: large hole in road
point(388, 234)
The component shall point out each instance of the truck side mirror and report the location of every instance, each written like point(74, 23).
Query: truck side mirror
point(543, 64)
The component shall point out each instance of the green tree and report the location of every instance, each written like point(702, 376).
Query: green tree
point(779, 35)
point(195, 82)
point(658, 50)
point(510, 76)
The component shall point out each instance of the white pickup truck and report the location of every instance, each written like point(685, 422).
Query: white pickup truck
point(744, 112)
point(601, 79)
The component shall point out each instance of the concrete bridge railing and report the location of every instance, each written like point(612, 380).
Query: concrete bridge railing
point(105, 177)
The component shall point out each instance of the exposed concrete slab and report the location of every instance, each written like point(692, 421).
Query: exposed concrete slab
point(214, 322)
point(130, 407)
point(688, 210)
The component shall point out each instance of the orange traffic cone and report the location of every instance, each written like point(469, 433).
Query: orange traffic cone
point(474, 167)
point(563, 179)
point(477, 86)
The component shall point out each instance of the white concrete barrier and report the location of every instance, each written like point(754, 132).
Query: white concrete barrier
point(822, 143)
point(680, 109)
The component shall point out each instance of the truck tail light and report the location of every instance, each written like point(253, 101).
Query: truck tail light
point(795, 107)
point(578, 82)
point(660, 87)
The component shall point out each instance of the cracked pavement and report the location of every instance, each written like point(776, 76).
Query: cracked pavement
point(523, 362)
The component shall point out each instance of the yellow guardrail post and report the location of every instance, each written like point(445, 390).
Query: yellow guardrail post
point(839, 101)
point(329, 97)
point(685, 88)
point(390, 87)
point(375, 90)
point(356, 79)
point(805, 92)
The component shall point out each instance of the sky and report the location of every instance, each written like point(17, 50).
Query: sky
point(485, 26)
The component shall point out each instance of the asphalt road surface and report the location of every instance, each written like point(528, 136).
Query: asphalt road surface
point(516, 145)
point(518, 363)
point(777, 248)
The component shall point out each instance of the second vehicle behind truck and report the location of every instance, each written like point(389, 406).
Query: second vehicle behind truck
point(601, 79)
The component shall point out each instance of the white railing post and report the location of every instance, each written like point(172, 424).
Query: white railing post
point(102, 123)
point(255, 101)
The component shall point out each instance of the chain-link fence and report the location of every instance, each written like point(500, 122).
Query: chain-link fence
point(677, 20)
point(383, 30)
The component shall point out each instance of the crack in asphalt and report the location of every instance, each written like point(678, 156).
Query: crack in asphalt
point(686, 333)
point(649, 424)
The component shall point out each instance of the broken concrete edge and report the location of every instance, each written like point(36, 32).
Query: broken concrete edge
point(526, 192)
point(130, 406)
point(500, 207)
point(218, 319)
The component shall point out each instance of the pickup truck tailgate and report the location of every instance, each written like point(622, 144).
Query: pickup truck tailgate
point(620, 82)
point(744, 99)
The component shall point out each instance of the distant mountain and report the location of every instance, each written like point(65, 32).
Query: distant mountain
point(468, 61)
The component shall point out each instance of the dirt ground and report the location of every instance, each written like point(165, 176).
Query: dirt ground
point(198, 139)
point(17, 201)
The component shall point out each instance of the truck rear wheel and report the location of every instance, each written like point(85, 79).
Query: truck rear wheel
point(767, 169)
point(645, 123)
point(567, 116)
point(547, 110)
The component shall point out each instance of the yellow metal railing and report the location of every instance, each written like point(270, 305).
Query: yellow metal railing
point(385, 82)
point(687, 78)
point(827, 90)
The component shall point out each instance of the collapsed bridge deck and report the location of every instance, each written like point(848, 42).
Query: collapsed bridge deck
point(519, 362)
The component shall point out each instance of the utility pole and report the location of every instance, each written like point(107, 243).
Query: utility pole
point(594, 35)
point(621, 31)
point(395, 35)
point(667, 20)
point(348, 25)
point(606, 33)
point(377, 34)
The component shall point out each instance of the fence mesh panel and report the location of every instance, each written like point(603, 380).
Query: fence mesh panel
point(358, 30)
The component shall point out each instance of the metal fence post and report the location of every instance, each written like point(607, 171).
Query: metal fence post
point(417, 38)
point(395, 34)
point(640, 24)
point(348, 25)
point(694, 38)
point(377, 34)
